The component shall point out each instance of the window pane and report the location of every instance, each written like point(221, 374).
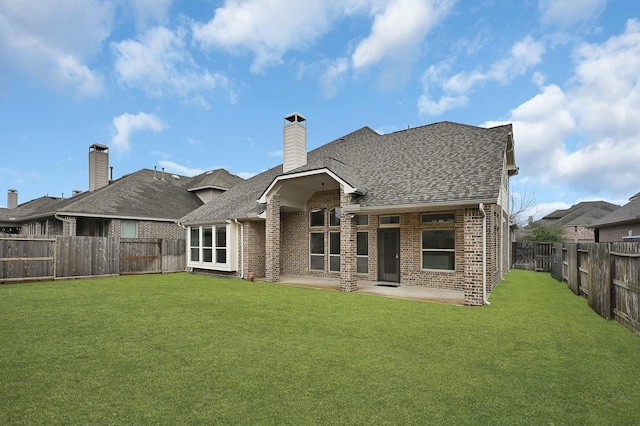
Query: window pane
point(128, 229)
point(195, 237)
point(439, 260)
point(316, 218)
point(363, 265)
point(207, 236)
point(362, 219)
point(363, 244)
point(221, 236)
point(334, 217)
point(389, 220)
point(334, 263)
point(317, 262)
point(316, 243)
point(334, 243)
point(439, 239)
point(438, 218)
point(207, 255)
point(195, 254)
point(221, 255)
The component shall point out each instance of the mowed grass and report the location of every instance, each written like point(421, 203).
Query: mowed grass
point(186, 349)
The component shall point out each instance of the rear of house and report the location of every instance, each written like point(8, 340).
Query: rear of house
point(426, 206)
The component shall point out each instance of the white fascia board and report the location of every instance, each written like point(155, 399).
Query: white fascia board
point(279, 180)
point(405, 208)
point(107, 216)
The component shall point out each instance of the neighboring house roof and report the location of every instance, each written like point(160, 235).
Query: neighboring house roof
point(145, 194)
point(629, 213)
point(439, 164)
point(582, 214)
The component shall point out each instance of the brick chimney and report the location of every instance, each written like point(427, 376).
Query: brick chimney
point(295, 142)
point(12, 198)
point(98, 166)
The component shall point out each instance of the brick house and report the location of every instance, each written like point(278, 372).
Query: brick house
point(623, 224)
point(144, 204)
point(426, 206)
point(578, 219)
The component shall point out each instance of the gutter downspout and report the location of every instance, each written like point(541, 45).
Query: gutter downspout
point(241, 248)
point(484, 254)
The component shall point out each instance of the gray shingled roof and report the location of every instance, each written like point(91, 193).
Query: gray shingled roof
point(434, 164)
point(581, 214)
point(629, 213)
point(143, 194)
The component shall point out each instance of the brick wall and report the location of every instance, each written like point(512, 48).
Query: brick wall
point(579, 234)
point(616, 233)
point(473, 257)
point(254, 249)
point(272, 240)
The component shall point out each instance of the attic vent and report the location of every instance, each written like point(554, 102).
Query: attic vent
point(76, 192)
point(175, 177)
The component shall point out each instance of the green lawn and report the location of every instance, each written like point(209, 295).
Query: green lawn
point(186, 349)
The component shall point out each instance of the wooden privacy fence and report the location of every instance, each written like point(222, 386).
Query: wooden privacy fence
point(26, 259)
point(532, 256)
point(607, 274)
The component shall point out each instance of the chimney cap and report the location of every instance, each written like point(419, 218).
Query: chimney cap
point(295, 117)
point(99, 147)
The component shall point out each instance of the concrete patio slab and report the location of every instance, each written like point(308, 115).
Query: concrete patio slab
point(453, 297)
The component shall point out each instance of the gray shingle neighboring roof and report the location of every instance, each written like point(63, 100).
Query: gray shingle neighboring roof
point(142, 194)
point(439, 163)
point(629, 213)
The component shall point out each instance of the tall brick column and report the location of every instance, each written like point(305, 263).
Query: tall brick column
point(348, 247)
point(473, 257)
point(272, 240)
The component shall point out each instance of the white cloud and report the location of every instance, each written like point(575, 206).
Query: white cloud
point(52, 40)
point(332, 77)
point(126, 124)
point(149, 11)
point(399, 30)
point(267, 29)
point(565, 14)
point(523, 55)
point(587, 135)
point(171, 167)
point(159, 63)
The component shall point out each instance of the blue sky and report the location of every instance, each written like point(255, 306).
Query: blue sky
point(197, 85)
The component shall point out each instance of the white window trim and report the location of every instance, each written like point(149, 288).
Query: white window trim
point(231, 246)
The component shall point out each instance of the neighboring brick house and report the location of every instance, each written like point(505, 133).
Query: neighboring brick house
point(426, 206)
point(623, 224)
point(144, 204)
point(578, 219)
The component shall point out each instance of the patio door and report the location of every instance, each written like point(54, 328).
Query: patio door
point(389, 255)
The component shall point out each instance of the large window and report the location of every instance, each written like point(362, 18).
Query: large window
point(362, 252)
point(334, 251)
point(316, 251)
point(439, 249)
point(209, 247)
